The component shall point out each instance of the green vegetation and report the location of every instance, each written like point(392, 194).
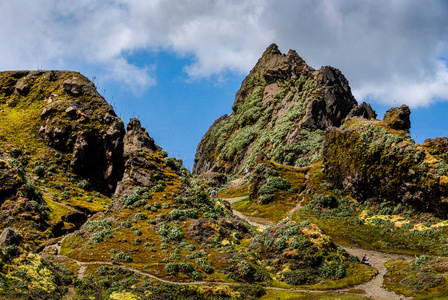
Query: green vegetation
point(266, 121)
point(423, 277)
point(63, 154)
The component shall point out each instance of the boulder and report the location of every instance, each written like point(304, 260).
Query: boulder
point(362, 111)
point(73, 87)
point(398, 118)
point(136, 138)
point(8, 237)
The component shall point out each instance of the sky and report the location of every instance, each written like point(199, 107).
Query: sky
point(177, 64)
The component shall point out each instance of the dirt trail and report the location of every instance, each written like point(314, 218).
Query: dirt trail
point(254, 221)
point(374, 288)
point(296, 208)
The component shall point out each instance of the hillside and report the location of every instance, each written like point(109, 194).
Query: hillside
point(280, 113)
point(89, 209)
point(298, 145)
point(307, 180)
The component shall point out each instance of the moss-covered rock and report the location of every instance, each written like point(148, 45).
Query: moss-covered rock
point(381, 164)
point(279, 113)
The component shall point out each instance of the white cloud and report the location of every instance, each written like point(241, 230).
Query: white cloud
point(389, 50)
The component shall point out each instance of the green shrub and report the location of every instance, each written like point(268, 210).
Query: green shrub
point(159, 187)
point(123, 256)
point(441, 168)
point(39, 171)
point(32, 191)
point(141, 216)
point(325, 201)
point(172, 233)
point(84, 184)
point(420, 260)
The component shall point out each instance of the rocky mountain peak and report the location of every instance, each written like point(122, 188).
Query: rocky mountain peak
point(137, 138)
point(279, 103)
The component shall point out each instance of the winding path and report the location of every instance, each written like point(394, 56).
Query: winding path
point(373, 288)
point(254, 221)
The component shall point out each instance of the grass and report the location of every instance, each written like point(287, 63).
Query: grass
point(275, 212)
point(292, 295)
point(419, 278)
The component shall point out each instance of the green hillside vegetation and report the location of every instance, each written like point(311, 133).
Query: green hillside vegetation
point(274, 116)
point(134, 223)
point(305, 176)
point(363, 181)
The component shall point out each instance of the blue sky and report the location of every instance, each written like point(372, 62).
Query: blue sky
point(178, 64)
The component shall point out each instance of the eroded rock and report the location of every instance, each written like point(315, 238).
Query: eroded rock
point(8, 237)
point(398, 118)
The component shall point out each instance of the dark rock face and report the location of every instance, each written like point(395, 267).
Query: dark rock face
point(8, 237)
point(215, 179)
point(398, 118)
point(337, 102)
point(139, 170)
point(74, 119)
point(279, 103)
point(8, 180)
point(364, 111)
point(137, 138)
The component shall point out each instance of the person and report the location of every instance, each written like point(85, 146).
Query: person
point(214, 193)
point(365, 260)
point(247, 170)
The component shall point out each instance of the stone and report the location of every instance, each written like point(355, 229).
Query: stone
point(215, 178)
point(8, 179)
point(136, 138)
point(362, 111)
point(22, 87)
point(8, 237)
point(398, 118)
point(73, 87)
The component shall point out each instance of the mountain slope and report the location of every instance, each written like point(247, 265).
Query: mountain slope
point(79, 196)
point(280, 113)
point(62, 148)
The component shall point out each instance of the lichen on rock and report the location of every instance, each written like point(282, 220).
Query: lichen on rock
point(279, 104)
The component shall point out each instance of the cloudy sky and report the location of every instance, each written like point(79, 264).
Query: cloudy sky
point(177, 64)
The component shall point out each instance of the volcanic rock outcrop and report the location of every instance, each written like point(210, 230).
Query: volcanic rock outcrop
point(279, 113)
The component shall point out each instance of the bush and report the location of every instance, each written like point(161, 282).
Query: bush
point(171, 233)
point(11, 250)
point(39, 171)
point(130, 199)
point(84, 184)
point(250, 290)
point(298, 277)
point(141, 216)
point(420, 260)
point(124, 256)
point(441, 168)
point(325, 201)
point(32, 191)
point(174, 163)
point(267, 198)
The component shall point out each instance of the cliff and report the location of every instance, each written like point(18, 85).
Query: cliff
point(280, 113)
point(88, 205)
